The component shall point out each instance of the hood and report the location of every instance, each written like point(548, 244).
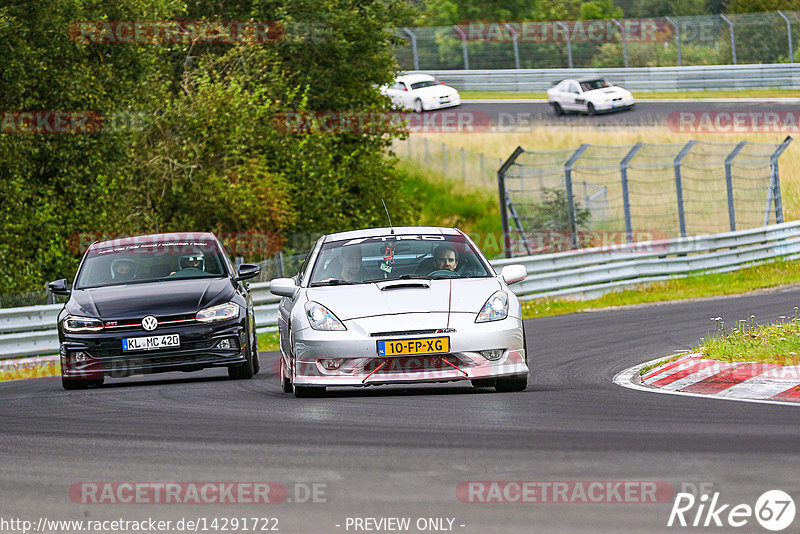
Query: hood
point(608, 92)
point(405, 296)
point(436, 90)
point(173, 297)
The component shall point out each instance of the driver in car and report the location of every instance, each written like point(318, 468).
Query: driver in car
point(123, 269)
point(445, 258)
point(191, 261)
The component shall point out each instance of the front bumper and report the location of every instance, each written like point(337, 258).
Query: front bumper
point(94, 355)
point(440, 103)
point(615, 105)
point(360, 363)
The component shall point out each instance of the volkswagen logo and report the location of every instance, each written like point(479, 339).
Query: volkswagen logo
point(149, 323)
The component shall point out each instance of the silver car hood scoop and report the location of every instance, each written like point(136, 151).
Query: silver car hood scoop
point(404, 284)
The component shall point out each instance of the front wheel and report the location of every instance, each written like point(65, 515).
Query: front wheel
point(286, 382)
point(590, 109)
point(511, 383)
point(418, 106)
point(558, 109)
point(243, 371)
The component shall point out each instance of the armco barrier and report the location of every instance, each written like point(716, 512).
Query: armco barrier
point(706, 77)
point(585, 273)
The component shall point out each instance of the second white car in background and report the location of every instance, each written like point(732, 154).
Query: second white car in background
point(421, 92)
point(593, 95)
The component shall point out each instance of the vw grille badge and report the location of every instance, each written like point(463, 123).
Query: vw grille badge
point(149, 323)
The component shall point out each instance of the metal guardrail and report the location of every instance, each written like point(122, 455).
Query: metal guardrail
point(776, 75)
point(584, 273)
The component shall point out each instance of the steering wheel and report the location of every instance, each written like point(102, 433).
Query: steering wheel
point(444, 273)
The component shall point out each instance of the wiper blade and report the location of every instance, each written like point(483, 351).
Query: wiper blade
point(332, 282)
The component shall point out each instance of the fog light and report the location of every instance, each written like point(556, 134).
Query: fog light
point(492, 355)
point(332, 364)
point(80, 357)
point(224, 343)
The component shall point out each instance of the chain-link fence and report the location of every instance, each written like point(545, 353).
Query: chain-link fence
point(600, 195)
point(699, 40)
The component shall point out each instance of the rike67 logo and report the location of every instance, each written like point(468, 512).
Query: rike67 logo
point(774, 510)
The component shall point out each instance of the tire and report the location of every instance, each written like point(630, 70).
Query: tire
point(590, 109)
point(256, 363)
point(511, 383)
point(309, 391)
point(79, 383)
point(418, 106)
point(558, 109)
point(286, 382)
point(243, 371)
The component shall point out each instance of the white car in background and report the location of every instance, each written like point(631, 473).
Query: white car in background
point(421, 92)
point(592, 95)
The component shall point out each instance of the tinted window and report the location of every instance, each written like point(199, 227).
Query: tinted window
point(427, 83)
point(594, 84)
point(150, 262)
point(394, 257)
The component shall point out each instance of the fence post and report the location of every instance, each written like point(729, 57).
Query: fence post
point(514, 42)
point(624, 41)
point(413, 47)
point(573, 219)
point(776, 180)
point(729, 184)
point(679, 185)
point(463, 36)
point(501, 186)
point(569, 44)
point(788, 34)
point(626, 199)
point(733, 42)
point(677, 37)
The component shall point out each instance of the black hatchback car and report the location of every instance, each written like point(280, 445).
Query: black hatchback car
point(156, 303)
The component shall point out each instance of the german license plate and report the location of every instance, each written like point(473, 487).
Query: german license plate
point(151, 342)
point(432, 345)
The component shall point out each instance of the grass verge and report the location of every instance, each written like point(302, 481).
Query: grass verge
point(642, 95)
point(268, 341)
point(748, 342)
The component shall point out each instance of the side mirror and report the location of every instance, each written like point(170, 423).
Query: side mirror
point(58, 287)
point(283, 287)
point(514, 273)
point(248, 271)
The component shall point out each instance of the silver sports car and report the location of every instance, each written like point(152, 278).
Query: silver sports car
point(399, 305)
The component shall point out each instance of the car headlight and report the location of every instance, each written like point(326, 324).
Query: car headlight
point(495, 309)
point(73, 323)
point(218, 313)
point(321, 317)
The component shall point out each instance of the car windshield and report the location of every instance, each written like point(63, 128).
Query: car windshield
point(397, 257)
point(591, 85)
point(426, 83)
point(150, 261)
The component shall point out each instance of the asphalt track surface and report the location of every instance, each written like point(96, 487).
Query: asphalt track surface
point(402, 452)
point(514, 116)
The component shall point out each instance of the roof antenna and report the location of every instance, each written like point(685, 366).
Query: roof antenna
point(387, 216)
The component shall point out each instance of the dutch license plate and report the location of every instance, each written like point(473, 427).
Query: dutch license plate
point(433, 345)
point(151, 342)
